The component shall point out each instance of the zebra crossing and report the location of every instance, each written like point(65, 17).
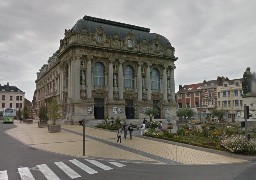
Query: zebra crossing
point(87, 165)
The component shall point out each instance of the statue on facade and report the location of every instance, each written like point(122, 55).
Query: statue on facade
point(246, 82)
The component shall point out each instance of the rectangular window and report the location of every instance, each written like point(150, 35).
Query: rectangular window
point(235, 92)
point(17, 104)
point(10, 98)
point(20, 105)
point(188, 95)
point(236, 103)
point(21, 98)
point(218, 94)
point(179, 96)
point(180, 105)
point(3, 97)
point(224, 94)
point(228, 92)
point(10, 105)
point(17, 98)
point(197, 93)
point(224, 103)
point(229, 104)
point(197, 104)
point(188, 105)
point(3, 105)
point(219, 103)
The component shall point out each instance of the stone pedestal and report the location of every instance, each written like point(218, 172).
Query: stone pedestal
point(251, 102)
point(116, 109)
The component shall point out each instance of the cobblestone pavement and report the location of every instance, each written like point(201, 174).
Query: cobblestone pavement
point(102, 144)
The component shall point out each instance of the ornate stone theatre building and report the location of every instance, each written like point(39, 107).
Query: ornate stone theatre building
point(107, 69)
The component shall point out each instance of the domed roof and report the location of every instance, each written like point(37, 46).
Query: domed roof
point(111, 28)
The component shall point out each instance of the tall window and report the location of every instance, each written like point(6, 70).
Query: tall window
point(3, 97)
point(10, 98)
point(98, 74)
point(155, 79)
point(128, 77)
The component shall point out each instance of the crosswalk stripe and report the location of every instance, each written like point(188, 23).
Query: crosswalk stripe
point(83, 166)
point(3, 175)
point(100, 165)
point(117, 164)
point(25, 174)
point(48, 173)
point(70, 172)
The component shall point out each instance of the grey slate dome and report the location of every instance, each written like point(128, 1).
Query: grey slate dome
point(112, 28)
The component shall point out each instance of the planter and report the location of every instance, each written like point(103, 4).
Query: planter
point(42, 124)
point(29, 121)
point(54, 128)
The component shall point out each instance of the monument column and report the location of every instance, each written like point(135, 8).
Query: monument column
point(148, 82)
point(164, 84)
point(89, 78)
point(172, 83)
point(121, 80)
point(110, 80)
point(77, 77)
point(139, 82)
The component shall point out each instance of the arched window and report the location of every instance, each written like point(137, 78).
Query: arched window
point(98, 74)
point(155, 79)
point(128, 77)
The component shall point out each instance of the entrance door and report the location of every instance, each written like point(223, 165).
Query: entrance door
point(99, 108)
point(129, 109)
point(156, 105)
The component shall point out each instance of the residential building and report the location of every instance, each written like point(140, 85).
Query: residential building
point(230, 98)
point(11, 97)
point(106, 69)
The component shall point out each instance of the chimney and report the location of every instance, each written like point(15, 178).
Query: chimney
point(180, 87)
point(7, 83)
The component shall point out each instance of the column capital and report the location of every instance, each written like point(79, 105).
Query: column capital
point(121, 61)
point(111, 59)
point(140, 63)
point(149, 64)
point(173, 67)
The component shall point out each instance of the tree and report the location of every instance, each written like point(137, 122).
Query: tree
point(26, 112)
point(219, 113)
point(53, 111)
point(185, 113)
point(151, 113)
point(43, 114)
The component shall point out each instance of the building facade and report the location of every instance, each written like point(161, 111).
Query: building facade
point(214, 94)
point(11, 97)
point(107, 69)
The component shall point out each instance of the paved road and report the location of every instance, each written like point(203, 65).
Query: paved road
point(19, 161)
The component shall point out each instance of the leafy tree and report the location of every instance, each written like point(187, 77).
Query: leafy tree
point(26, 112)
point(18, 114)
point(185, 113)
point(53, 111)
point(151, 113)
point(219, 113)
point(43, 114)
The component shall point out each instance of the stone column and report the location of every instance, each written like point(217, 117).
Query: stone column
point(139, 82)
point(172, 83)
point(89, 78)
point(77, 78)
point(121, 80)
point(148, 82)
point(110, 80)
point(164, 85)
point(69, 80)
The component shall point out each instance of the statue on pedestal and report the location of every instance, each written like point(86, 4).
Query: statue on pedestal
point(247, 81)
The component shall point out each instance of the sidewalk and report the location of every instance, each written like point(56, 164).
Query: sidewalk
point(102, 144)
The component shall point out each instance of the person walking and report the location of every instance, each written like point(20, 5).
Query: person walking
point(125, 128)
point(142, 129)
point(130, 129)
point(119, 134)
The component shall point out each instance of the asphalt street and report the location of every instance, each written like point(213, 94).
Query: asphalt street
point(17, 158)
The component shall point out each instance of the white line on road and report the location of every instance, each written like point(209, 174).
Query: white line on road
point(25, 174)
point(117, 164)
point(3, 175)
point(70, 172)
point(48, 173)
point(100, 165)
point(83, 166)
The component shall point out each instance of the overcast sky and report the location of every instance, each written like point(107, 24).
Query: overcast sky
point(212, 38)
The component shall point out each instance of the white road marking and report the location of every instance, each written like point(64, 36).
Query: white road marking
point(25, 174)
point(100, 165)
point(117, 164)
point(83, 166)
point(70, 172)
point(48, 173)
point(3, 175)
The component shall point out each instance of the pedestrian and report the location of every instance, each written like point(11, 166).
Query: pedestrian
point(160, 126)
point(142, 129)
point(130, 129)
point(119, 134)
point(125, 128)
point(144, 121)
